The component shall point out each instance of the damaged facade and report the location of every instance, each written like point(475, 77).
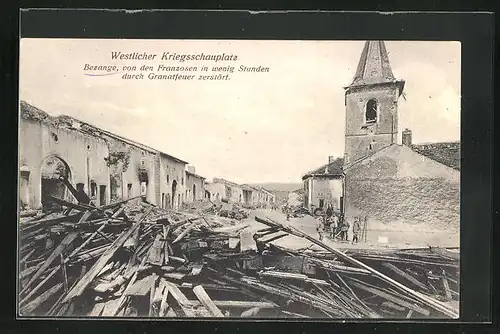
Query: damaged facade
point(324, 186)
point(195, 185)
point(107, 167)
point(384, 180)
point(223, 190)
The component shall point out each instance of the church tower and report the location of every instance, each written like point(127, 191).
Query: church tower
point(371, 104)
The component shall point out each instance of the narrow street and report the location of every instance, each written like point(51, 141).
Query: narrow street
point(378, 236)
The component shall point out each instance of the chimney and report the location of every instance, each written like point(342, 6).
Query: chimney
point(331, 158)
point(191, 169)
point(406, 137)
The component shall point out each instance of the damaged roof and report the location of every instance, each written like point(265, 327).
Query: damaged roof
point(195, 175)
point(333, 169)
point(446, 153)
point(30, 112)
point(226, 182)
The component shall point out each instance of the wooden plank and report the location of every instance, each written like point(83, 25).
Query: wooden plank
point(406, 276)
point(237, 304)
point(204, 298)
point(247, 243)
point(64, 273)
point(446, 287)
point(163, 304)
point(392, 298)
point(111, 286)
point(184, 233)
point(177, 294)
point(152, 293)
point(435, 304)
point(140, 288)
point(70, 237)
point(175, 300)
point(133, 241)
point(85, 217)
point(250, 312)
point(97, 310)
point(35, 303)
point(157, 251)
point(119, 304)
point(103, 260)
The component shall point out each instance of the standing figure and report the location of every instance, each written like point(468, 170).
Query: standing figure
point(334, 226)
point(320, 227)
point(344, 229)
point(329, 211)
point(356, 227)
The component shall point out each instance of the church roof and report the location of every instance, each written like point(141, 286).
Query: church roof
point(333, 168)
point(447, 153)
point(374, 66)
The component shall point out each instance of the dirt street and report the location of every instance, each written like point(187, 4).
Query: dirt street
point(378, 236)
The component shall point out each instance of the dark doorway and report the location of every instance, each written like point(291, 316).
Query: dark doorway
point(163, 200)
point(53, 168)
point(194, 192)
point(102, 195)
point(321, 203)
point(174, 189)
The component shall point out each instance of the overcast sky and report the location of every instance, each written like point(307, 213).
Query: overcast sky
point(256, 127)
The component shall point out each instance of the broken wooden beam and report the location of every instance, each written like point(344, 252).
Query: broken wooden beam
point(435, 304)
point(406, 276)
point(392, 298)
point(103, 260)
point(204, 298)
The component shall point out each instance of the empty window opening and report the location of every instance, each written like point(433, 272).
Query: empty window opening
point(102, 195)
point(168, 178)
point(129, 190)
point(371, 111)
point(321, 203)
point(55, 137)
point(93, 189)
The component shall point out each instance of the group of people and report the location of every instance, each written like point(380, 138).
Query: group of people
point(338, 225)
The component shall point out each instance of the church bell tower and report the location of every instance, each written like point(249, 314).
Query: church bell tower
point(371, 104)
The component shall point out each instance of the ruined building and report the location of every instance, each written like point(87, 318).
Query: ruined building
point(371, 104)
point(383, 180)
point(104, 165)
point(324, 186)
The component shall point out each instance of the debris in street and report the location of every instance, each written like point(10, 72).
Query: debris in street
point(132, 258)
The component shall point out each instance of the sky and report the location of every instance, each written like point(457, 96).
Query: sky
point(256, 127)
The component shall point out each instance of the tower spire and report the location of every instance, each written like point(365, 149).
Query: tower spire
point(373, 66)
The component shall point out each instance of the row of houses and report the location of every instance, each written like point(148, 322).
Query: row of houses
point(224, 190)
point(106, 166)
point(378, 177)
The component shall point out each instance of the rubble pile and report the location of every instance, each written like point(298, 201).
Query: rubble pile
point(131, 258)
point(219, 208)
